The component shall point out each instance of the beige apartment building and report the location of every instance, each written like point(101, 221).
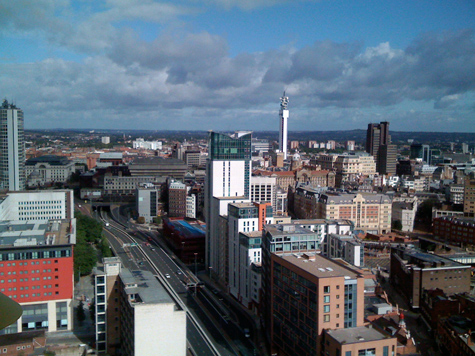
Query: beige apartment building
point(369, 212)
point(347, 167)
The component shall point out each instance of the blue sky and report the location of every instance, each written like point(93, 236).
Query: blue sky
point(223, 64)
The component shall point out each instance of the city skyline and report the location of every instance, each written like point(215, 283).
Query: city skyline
point(223, 64)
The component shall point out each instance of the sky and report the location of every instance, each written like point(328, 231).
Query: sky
point(224, 64)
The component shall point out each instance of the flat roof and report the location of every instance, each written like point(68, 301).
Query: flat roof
point(431, 258)
point(34, 232)
point(356, 335)
point(318, 265)
point(287, 229)
point(147, 286)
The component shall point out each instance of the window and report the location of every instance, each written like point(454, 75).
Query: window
point(326, 308)
point(326, 299)
point(326, 289)
point(385, 350)
point(326, 318)
point(348, 353)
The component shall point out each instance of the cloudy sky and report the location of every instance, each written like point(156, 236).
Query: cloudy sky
point(224, 64)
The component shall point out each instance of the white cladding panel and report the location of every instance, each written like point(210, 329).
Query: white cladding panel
point(159, 330)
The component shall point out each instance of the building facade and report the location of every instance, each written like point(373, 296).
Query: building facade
point(454, 230)
point(307, 294)
point(378, 144)
point(147, 201)
point(368, 212)
point(48, 169)
point(36, 270)
point(134, 313)
point(12, 146)
point(412, 271)
point(228, 180)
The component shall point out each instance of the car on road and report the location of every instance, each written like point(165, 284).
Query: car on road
point(178, 272)
point(140, 263)
point(153, 249)
point(167, 275)
point(79, 205)
point(247, 333)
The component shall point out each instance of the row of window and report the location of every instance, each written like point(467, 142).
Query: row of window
point(33, 255)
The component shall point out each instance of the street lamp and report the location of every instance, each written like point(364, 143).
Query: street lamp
point(183, 251)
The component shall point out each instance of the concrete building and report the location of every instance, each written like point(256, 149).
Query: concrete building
point(135, 315)
point(158, 166)
point(37, 205)
point(121, 186)
point(191, 204)
point(245, 218)
point(147, 145)
point(350, 145)
point(194, 158)
point(405, 212)
point(260, 146)
point(12, 143)
point(368, 212)
point(228, 180)
point(309, 294)
point(346, 247)
point(48, 169)
point(283, 119)
point(263, 190)
point(147, 201)
point(323, 228)
point(107, 159)
point(412, 271)
point(105, 140)
point(36, 270)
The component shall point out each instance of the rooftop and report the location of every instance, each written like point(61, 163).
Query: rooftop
point(318, 266)
point(357, 335)
point(50, 159)
point(34, 232)
point(145, 285)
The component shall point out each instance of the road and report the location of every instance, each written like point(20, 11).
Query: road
point(139, 250)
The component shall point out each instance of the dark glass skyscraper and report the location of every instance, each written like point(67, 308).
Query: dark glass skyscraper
point(378, 144)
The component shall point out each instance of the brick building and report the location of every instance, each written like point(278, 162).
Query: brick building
point(304, 294)
point(456, 230)
point(412, 271)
